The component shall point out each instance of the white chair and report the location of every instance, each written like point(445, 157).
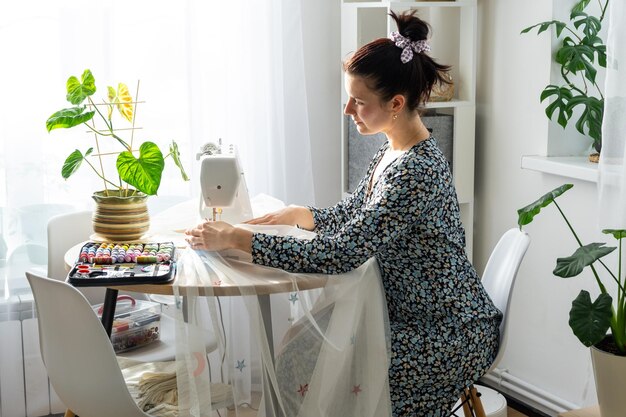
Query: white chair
point(67, 230)
point(25, 257)
point(78, 355)
point(498, 280)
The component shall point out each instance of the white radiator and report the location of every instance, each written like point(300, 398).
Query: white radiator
point(24, 387)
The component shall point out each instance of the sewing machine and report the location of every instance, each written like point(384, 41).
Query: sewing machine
point(224, 191)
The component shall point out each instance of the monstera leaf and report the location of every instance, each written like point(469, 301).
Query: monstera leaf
point(590, 120)
point(72, 163)
point(143, 173)
point(78, 91)
point(561, 96)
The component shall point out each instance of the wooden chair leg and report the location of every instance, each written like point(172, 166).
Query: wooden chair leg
point(477, 405)
point(69, 413)
point(466, 399)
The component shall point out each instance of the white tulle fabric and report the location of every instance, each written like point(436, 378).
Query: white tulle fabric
point(612, 169)
point(331, 334)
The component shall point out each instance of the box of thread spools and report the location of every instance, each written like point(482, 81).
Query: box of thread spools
point(136, 323)
point(100, 264)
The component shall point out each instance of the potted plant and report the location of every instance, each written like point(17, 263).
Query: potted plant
point(590, 320)
point(121, 211)
point(580, 54)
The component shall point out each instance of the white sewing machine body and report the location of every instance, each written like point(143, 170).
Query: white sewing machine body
point(223, 187)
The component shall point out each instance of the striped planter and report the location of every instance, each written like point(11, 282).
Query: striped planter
point(120, 216)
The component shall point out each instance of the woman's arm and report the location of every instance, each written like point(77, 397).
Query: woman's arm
point(292, 215)
point(392, 211)
point(215, 236)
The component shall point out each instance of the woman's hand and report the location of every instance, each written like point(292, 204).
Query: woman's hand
point(291, 215)
point(216, 236)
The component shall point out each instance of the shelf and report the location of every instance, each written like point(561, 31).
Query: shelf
point(577, 167)
point(448, 104)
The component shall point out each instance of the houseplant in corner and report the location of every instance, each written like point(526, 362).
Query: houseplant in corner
point(590, 320)
point(121, 212)
point(580, 54)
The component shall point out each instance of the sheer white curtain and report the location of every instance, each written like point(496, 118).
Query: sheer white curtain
point(612, 179)
point(208, 70)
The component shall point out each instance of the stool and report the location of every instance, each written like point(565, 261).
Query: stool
point(480, 401)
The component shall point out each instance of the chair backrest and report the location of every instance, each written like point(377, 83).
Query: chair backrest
point(500, 273)
point(33, 219)
point(25, 257)
point(78, 354)
point(65, 231)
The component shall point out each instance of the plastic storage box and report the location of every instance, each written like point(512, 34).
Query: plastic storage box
point(136, 323)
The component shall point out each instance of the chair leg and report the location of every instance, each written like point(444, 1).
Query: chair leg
point(476, 402)
point(472, 405)
point(466, 399)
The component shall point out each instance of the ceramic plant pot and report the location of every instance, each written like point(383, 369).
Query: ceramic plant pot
point(120, 216)
point(610, 374)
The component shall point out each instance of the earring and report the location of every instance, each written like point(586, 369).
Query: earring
point(395, 116)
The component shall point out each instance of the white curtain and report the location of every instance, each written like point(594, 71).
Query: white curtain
point(208, 70)
point(612, 169)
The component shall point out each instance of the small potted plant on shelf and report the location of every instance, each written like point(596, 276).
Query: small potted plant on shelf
point(121, 212)
point(590, 320)
point(580, 54)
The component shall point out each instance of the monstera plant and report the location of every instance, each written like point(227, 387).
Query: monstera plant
point(138, 168)
point(581, 53)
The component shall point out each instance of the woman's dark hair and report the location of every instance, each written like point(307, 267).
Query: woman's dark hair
point(379, 63)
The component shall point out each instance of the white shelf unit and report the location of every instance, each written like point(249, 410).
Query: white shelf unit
point(453, 43)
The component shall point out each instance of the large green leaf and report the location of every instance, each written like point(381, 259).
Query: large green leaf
point(543, 26)
point(591, 25)
point(584, 256)
point(72, 162)
point(525, 215)
point(562, 96)
point(78, 91)
point(590, 120)
point(176, 157)
point(143, 173)
point(67, 118)
point(590, 321)
point(574, 57)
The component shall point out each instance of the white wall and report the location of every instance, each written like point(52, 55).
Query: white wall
point(513, 69)
point(322, 57)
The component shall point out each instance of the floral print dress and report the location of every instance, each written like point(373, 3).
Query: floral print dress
point(444, 327)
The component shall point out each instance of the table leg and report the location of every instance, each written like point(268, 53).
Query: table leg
point(271, 403)
point(266, 315)
point(108, 309)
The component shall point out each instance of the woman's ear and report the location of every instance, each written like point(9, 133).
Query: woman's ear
point(397, 103)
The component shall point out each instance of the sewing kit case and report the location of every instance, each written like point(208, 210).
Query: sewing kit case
point(100, 264)
point(136, 323)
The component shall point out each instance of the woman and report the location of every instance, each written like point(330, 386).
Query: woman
point(404, 212)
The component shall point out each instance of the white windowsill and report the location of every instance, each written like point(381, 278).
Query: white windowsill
point(577, 167)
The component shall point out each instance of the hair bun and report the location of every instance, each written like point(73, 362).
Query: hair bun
point(410, 26)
